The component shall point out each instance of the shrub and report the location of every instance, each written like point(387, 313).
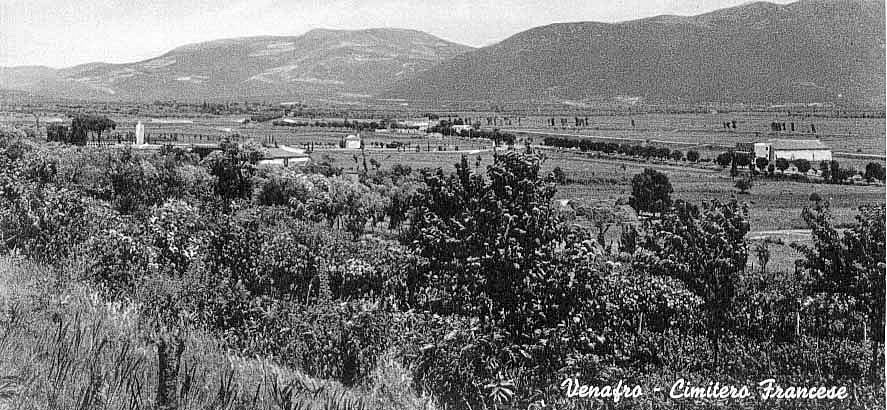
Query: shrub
point(48, 223)
point(802, 165)
point(724, 159)
point(559, 176)
point(782, 164)
point(874, 171)
point(762, 163)
point(116, 258)
point(234, 167)
point(744, 184)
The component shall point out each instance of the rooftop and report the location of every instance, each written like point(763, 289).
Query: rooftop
point(782, 144)
point(275, 153)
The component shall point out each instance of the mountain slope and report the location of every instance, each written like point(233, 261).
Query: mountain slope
point(320, 62)
point(809, 51)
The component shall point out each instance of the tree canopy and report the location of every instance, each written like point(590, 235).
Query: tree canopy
point(650, 191)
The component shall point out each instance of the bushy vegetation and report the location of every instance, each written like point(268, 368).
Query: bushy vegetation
point(470, 287)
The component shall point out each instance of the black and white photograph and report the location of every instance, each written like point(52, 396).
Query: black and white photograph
point(442, 205)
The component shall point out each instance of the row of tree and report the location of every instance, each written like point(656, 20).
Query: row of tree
point(81, 128)
point(447, 128)
point(354, 124)
point(646, 151)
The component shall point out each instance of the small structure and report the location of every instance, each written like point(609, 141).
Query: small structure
point(285, 157)
point(352, 142)
point(460, 128)
point(140, 133)
point(811, 150)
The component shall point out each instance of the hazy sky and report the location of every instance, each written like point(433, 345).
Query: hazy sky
point(61, 33)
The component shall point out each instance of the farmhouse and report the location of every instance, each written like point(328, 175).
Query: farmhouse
point(811, 150)
point(351, 142)
point(284, 156)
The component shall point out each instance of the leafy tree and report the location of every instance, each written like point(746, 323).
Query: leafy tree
point(825, 170)
point(874, 171)
point(815, 197)
point(762, 251)
point(234, 166)
point(742, 160)
point(559, 175)
point(724, 159)
point(852, 264)
point(782, 164)
point(802, 165)
point(650, 191)
point(761, 163)
point(706, 249)
point(55, 132)
point(692, 155)
point(82, 125)
point(677, 155)
point(494, 248)
point(835, 172)
point(744, 184)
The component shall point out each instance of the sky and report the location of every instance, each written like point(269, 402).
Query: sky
point(63, 33)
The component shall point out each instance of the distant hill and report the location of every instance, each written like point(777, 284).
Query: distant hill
point(809, 51)
point(332, 63)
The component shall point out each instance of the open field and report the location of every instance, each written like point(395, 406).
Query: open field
point(862, 135)
point(773, 205)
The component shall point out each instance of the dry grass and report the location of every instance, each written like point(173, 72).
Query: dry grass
point(63, 347)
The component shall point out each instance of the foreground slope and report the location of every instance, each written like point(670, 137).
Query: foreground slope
point(809, 51)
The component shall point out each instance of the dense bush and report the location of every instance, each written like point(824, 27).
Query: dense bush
point(48, 223)
point(234, 168)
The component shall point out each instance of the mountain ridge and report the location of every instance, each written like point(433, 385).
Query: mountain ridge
point(807, 51)
point(810, 51)
point(325, 62)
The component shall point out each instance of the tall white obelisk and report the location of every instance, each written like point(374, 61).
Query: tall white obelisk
point(140, 134)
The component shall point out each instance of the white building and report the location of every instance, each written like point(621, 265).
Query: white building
point(811, 150)
point(460, 128)
point(352, 142)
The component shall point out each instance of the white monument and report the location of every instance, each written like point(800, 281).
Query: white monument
point(140, 134)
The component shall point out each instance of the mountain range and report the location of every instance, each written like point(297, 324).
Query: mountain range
point(808, 51)
point(320, 62)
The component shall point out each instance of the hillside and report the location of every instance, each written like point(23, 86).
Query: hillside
point(332, 63)
point(809, 51)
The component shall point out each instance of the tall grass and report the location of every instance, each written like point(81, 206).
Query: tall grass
point(64, 347)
